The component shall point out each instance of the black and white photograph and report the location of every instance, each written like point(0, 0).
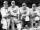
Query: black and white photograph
point(19, 14)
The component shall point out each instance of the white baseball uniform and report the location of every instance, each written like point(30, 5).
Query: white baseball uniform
point(4, 13)
point(25, 11)
point(14, 12)
point(35, 12)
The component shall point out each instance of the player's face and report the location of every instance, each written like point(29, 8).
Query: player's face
point(5, 5)
point(34, 5)
point(13, 3)
point(24, 5)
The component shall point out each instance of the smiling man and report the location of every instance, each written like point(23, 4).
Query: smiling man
point(4, 13)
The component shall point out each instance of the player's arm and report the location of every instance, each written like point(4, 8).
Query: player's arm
point(9, 11)
point(28, 12)
point(20, 14)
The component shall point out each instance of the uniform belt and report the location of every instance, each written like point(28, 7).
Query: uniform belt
point(13, 16)
point(35, 16)
point(10, 16)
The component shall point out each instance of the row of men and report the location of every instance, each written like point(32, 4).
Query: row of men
point(15, 14)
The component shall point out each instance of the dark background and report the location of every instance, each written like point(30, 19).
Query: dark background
point(19, 2)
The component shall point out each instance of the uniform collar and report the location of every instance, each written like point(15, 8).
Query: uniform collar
point(25, 8)
point(12, 7)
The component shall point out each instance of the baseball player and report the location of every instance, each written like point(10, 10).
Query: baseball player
point(14, 12)
point(24, 11)
point(4, 13)
point(35, 13)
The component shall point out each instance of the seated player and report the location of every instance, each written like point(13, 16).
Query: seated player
point(24, 11)
point(35, 13)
